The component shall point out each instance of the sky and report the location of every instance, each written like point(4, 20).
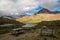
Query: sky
point(27, 7)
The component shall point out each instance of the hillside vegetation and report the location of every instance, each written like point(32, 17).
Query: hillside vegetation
point(6, 29)
point(8, 21)
point(39, 18)
point(35, 35)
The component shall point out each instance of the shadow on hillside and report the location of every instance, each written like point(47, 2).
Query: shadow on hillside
point(8, 21)
point(49, 23)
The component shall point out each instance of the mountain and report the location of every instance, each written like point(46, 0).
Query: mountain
point(8, 21)
point(39, 17)
point(43, 15)
point(9, 17)
point(44, 10)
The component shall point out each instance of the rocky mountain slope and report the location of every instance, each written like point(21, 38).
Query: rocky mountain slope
point(43, 15)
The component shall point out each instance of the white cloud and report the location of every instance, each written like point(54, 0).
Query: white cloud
point(49, 4)
point(16, 7)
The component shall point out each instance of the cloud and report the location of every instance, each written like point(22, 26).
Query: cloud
point(49, 4)
point(16, 7)
point(19, 7)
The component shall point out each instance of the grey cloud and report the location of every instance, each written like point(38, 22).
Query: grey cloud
point(49, 4)
point(16, 7)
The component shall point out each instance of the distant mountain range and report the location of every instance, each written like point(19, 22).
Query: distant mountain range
point(46, 11)
point(40, 12)
point(9, 17)
point(43, 15)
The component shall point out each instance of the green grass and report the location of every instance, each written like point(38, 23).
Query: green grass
point(7, 29)
point(53, 25)
point(8, 21)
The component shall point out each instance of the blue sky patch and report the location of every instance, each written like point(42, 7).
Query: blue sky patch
point(34, 11)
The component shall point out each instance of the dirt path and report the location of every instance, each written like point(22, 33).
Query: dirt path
point(7, 37)
point(25, 36)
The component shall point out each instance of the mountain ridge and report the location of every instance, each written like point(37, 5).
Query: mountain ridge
point(43, 15)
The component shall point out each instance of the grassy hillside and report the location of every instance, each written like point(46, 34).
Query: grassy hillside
point(8, 21)
point(8, 28)
point(39, 18)
point(51, 24)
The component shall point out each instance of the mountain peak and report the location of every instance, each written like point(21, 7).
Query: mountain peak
point(44, 10)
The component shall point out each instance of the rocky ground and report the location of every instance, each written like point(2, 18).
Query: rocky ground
point(26, 36)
